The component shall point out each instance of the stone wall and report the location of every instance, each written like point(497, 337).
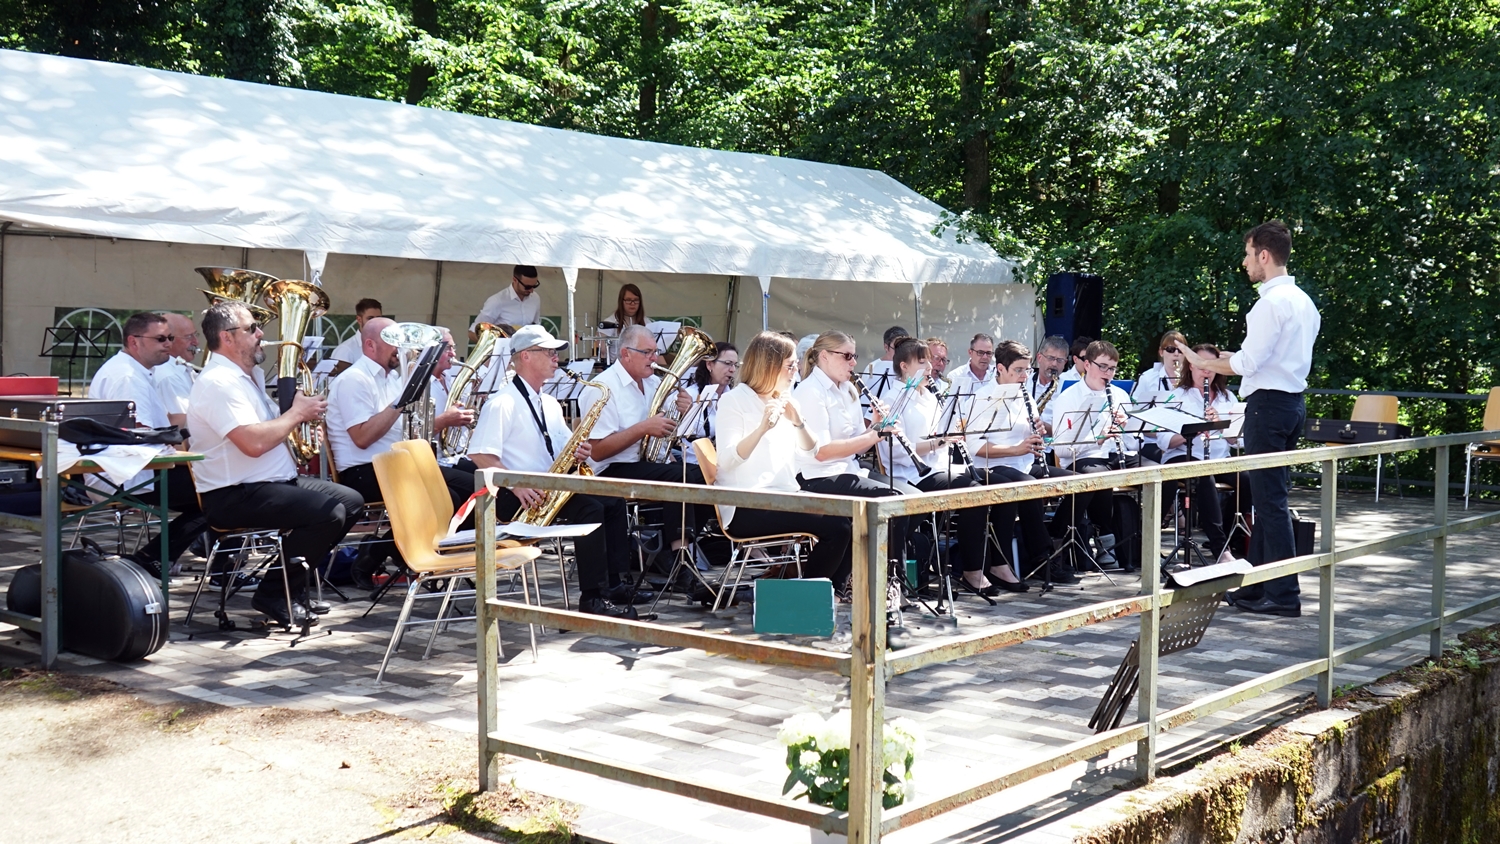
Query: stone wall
point(1414, 758)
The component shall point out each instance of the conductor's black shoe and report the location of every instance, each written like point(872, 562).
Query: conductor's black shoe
point(599, 606)
point(1248, 594)
point(1266, 606)
point(621, 593)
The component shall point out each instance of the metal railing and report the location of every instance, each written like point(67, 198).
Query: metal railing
point(869, 667)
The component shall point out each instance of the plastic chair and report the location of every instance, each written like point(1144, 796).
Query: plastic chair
point(1489, 450)
point(1373, 408)
point(775, 549)
point(417, 529)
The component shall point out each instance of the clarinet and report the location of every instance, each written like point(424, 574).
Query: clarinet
point(1207, 381)
point(1037, 461)
point(1109, 402)
point(911, 452)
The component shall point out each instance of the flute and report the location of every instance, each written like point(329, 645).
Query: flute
point(911, 452)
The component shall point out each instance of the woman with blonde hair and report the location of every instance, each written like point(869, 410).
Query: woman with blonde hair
point(830, 405)
point(760, 435)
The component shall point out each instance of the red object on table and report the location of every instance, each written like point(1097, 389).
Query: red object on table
point(28, 385)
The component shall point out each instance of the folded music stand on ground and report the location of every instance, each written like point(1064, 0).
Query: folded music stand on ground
point(1183, 623)
point(75, 344)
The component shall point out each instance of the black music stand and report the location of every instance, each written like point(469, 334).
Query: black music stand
point(1183, 624)
point(1183, 545)
point(75, 344)
point(956, 426)
point(1076, 422)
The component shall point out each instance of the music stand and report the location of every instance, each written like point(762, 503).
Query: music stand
point(75, 343)
point(1191, 428)
point(1182, 626)
point(1082, 426)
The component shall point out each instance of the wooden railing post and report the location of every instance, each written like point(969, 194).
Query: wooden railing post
point(867, 675)
point(487, 633)
point(1150, 635)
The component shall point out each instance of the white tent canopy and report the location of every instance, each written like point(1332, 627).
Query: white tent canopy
point(130, 152)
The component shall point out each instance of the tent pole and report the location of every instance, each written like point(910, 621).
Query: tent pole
point(729, 310)
point(570, 275)
point(437, 290)
point(765, 302)
point(916, 298)
point(3, 226)
point(598, 306)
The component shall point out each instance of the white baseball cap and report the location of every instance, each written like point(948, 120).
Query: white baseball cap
point(533, 336)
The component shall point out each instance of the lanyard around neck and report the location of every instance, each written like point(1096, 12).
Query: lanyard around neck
point(535, 416)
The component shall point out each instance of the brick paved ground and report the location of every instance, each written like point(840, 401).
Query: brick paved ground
point(715, 719)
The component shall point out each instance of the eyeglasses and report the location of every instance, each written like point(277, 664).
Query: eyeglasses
point(732, 364)
point(160, 338)
point(551, 353)
point(648, 353)
point(980, 353)
point(1107, 370)
point(530, 286)
point(1053, 358)
point(252, 328)
point(849, 357)
point(627, 301)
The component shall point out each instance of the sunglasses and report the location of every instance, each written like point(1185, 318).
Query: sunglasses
point(160, 338)
point(531, 286)
point(849, 357)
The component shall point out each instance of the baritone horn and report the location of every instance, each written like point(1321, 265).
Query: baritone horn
point(296, 304)
point(411, 339)
point(466, 384)
point(231, 284)
point(692, 346)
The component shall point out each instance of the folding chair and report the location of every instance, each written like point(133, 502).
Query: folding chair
point(1373, 408)
point(1489, 450)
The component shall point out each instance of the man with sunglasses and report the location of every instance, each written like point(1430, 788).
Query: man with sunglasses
point(247, 478)
point(174, 379)
point(623, 424)
point(128, 376)
point(517, 304)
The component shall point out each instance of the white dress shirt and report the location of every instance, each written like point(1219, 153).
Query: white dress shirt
point(627, 405)
point(506, 308)
point(362, 391)
point(967, 386)
point(772, 466)
point(509, 431)
point(351, 350)
point(1008, 415)
point(1071, 441)
point(224, 398)
point(1192, 402)
point(1280, 331)
point(174, 382)
point(830, 413)
point(123, 378)
point(1155, 384)
point(918, 414)
point(1037, 389)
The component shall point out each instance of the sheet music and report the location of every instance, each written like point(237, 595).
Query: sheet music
point(519, 530)
point(1236, 422)
point(665, 332)
point(1167, 418)
point(311, 344)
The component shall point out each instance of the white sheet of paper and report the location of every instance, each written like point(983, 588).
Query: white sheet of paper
point(518, 530)
point(1236, 421)
point(325, 367)
point(666, 333)
point(1167, 419)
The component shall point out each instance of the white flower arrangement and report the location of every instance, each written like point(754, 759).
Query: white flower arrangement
point(817, 756)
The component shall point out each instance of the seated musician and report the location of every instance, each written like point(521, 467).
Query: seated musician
point(443, 372)
point(129, 376)
point(247, 478)
point(829, 404)
point(918, 409)
point(630, 309)
point(879, 373)
point(937, 369)
point(1043, 383)
point(1085, 433)
point(759, 437)
point(1009, 456)
point(363, 421)
point(174, 379)
point(967, 381)
point(1080, 362)
point(1175, 449)
point(623, 424)
point(351, 350)
point(1159, 383)
point(711, 380)
point(522, 429)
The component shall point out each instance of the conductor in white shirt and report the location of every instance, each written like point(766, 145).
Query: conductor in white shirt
point(247, 478)
point(1273, 363)
point(515, 304)
point(174, 378)
point(128, 377)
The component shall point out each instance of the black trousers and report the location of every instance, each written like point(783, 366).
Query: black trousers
point(972, 538)
point(1101, 504)
point(317, 514)
point(1032, 514)
point(829, 558)
point(1204, 500)
point(591, 548)
point(1273, 422)
point(182, 496)
point(871, 487)
point(673, 525)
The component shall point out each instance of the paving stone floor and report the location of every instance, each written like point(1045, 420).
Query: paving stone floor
point(715, 718)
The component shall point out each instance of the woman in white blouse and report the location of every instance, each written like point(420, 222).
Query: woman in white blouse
point(1175, 449)
point(711, 381)
point(759, 436)
point(918, 409)
point(836, 422)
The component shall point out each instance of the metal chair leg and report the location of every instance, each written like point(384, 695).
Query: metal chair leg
point(396, 634)
point(438, 622)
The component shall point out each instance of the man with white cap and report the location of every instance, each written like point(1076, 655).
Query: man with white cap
point(522, 429)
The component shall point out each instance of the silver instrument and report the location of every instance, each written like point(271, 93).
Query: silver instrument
point(411, 339)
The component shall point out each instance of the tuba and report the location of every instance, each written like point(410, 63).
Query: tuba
point(465, 389)
point(226, 284)
point(411, 339)
point(692, 346)
point(566, 463)
point(296, 304)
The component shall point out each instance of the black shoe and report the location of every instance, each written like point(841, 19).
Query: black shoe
point(148, 563)
point(897, 638)
point(1266, 606)
point(962, 585)
point(599, 606)
point(1007, 585)
point(624, 595)
point(1245, 595)
point(241, 582)
point(362, 572)
point(275, 609)
point(315, 606)
point(1061, 574)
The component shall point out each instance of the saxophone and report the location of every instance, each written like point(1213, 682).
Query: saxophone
point(1041, 403)
point(543, 512)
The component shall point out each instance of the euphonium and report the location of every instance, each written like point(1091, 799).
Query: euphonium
point(566, 462)
point(411, 339)
point(296, 304)
point(465, 389)
point(228, 284)
point(692, 346)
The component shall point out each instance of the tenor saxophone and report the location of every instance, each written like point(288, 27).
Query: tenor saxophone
point(543, 512)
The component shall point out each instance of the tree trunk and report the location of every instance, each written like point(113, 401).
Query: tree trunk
point(650, 60)
point(1169, 192)
point(971, 82)
point(424, 16)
